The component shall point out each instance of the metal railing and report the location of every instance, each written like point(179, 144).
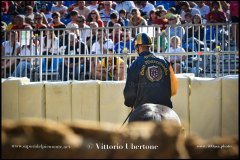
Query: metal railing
point(218, 56)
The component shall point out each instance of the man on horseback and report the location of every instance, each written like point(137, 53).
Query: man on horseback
point(150, 79)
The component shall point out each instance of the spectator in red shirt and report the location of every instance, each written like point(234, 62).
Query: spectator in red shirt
point(216, 15)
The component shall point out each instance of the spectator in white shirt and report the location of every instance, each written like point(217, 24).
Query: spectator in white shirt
point(176, 61)
point(82, 9)
point(126, 5)
point(146, 8)
point(85, 31)
point(93, 5)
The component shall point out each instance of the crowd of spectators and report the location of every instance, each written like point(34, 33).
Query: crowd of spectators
point(79, 17)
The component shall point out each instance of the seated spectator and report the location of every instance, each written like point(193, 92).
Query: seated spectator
point(29, 12)
point(161, 19)
point(60, 8)
point(39, 24)
point(110, 68)
point(136, 21)
point(57, 24)
point(95, 17)
point(106, 12)
point(123, 16)
point(100, 6)
point(24, 66)
point(146, 8)
point(195, 35)
point(71, 7)
point(185, 6)
point(174, 30)
point(117, 33)
point(177, 62)
point(93, 37)
point(97, 48)
point(203, 8)
point(93, 5)
point(160, 41)
point(47, 15)
point(73, 65)
point(113, 20)
point(216, 15)
point(10, 48)
point(85, 30)
point(82, 9)
point(188, 19)
point(125, 43)
point(152, 17)
point(124, 5)
point(73, 17)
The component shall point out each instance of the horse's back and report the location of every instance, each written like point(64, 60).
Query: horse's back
point(153, 112)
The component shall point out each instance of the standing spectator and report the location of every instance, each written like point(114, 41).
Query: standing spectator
point(106, 12)
point(146, 8)
point(203, 8)
point(84, 29)
point(82, 9)
point(93, 5)
point(186, 8)
point(95, 17)
point(57, 23)
point(59, 7)
point(177, 62)
point(216, 15)
point(126, 5)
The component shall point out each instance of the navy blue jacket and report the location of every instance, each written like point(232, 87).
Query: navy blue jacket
point(149, 81)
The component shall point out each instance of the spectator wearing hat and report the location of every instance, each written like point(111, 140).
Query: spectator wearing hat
point(82, 9)
point(110, 68)
point(106, 12)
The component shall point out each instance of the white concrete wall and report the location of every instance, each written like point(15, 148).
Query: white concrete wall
point(205, 107)
point(230, 103)
point(86, 100)
point(58, 101)
point(10, 95)
point(31, 100)
point(112, 108)
point(209, 106)
point(181, 100)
